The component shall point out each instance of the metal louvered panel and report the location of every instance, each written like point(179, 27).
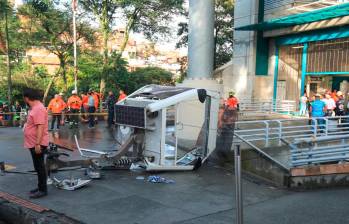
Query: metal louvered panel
point(130, 116)
point(273, 4)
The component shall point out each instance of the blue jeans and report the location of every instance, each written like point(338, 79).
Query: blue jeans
point(303, 109)
point(320, 123)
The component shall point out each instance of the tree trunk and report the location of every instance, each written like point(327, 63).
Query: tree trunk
point(105, 30)
point(48, 88)
point(64, 75)
point(9, 75)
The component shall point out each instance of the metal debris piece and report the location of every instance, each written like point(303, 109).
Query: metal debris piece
point(70, 184)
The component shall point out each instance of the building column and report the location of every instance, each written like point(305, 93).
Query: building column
point(200, 71)
point(201, 38)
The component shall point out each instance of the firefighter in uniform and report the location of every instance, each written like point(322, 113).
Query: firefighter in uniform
point(74, 105)
point(56, 106)
point(226, 123)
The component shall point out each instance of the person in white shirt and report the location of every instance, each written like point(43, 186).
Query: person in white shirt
point(330, 104)
point(303, 105)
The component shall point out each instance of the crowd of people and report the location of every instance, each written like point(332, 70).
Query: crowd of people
point(10, 112)
point(329, 104)
point(86, 104)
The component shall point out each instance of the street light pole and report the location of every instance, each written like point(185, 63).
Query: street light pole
point(9, 75)
point(74, 4)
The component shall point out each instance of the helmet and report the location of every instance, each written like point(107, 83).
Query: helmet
point(74, 92)
point(231, 93)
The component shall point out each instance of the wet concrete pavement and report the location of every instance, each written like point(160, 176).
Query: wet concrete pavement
point(204, 196)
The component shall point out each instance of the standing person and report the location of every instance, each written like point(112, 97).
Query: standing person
point(74, 105)
point(111, 100)
point(303, 105)
point(36, 138)
point(318, 109)
point(334, 95)
point(330, 104)
point(340, 105)
point(226, 123)
point(84, 105)
point(96, 100)
point(122, 95)
point(341, 111)
point(56, 106)
point(232, 102)
point(91, 110)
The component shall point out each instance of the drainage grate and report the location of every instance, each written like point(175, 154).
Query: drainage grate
point(22, 202)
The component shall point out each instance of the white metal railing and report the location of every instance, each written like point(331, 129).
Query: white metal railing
point(256, 106)
point(272, 131)
point(327, 149)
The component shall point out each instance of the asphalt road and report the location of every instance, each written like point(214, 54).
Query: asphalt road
point(204, 196)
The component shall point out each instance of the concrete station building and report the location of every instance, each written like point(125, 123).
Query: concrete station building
point(286, 47)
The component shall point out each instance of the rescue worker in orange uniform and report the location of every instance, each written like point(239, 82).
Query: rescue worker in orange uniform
point(232, 102)
point(122, 95)
point(74, 105)
point(226, 123)
point(56, 106)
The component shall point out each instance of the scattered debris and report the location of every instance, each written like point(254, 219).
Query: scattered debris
point(140, 178)
point(158, 179)
point(70, 184)
point(92, 173)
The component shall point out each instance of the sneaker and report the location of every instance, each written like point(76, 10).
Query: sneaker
point(38, 194)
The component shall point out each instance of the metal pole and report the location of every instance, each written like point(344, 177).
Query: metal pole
point(75, 53)
point(9, 72)
point(238, 188)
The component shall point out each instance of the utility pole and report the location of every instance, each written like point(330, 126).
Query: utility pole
point(9, 75)
point(74, 6)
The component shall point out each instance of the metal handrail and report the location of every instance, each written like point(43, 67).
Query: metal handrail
point(266, 130)
point(282, 166)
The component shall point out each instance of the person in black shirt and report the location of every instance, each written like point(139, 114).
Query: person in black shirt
point(111, 100)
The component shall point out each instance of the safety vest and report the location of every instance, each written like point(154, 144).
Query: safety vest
point(232, 102)
point(56, 105)
point(74, 102)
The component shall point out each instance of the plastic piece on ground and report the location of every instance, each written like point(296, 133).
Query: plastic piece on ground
point(158, 179)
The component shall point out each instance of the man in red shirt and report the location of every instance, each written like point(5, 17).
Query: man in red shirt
point(36, 138)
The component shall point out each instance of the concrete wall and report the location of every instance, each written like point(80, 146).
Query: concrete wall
point(240, 75)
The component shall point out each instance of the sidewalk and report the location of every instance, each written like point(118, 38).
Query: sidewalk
point(205, 196)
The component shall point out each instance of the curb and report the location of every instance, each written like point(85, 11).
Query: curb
point(15, 214)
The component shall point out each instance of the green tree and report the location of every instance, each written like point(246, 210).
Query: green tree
point(150, 17)
point(151, 75)
point(116, 74)
point(50, 26)
point(223, 34)
point(104, 11)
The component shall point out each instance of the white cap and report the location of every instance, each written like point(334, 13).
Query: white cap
point(61, 94)
point(74, 92)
